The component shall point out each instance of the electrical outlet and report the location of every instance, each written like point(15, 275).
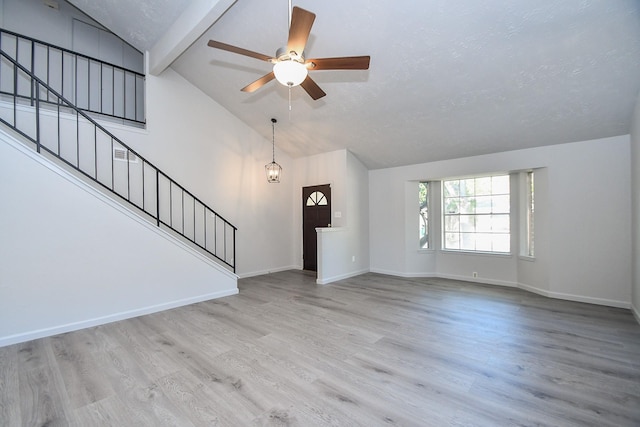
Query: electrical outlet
point(475, 274)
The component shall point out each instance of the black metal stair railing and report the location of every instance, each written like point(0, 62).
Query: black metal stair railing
point(91, 84)
point(58, 128)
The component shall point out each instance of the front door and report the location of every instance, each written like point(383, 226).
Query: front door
point(316, 212)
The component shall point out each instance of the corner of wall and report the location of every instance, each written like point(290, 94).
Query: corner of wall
point(635, 210)
point(636, 313)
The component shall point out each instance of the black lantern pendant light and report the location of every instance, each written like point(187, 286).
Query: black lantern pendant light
point(273, 169)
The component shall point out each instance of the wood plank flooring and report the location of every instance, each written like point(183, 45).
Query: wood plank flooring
point(373, 350)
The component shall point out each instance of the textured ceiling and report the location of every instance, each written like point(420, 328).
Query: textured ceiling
point(447, 78)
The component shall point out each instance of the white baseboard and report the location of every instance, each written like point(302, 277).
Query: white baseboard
point(399, 273)
point(269, 271)
point(328, 280)
point(636, 313)
point(70, 327)
point(543, 292)
point(576, 298)
point(481, 280)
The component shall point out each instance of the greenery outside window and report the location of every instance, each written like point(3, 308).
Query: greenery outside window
point(476, 214)
point(423, 201)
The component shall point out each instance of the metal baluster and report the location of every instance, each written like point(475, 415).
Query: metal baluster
point(113, 90)
point(95, 151)
point(158, 197)
point(33, 71)
point(37, 113)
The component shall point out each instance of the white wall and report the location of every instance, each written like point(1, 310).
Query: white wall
point(34, 19)
point(72, 258)
point(220, 160)
point(635, 199)
point(203, 147)
point(199, 144)
point(587, 213)
point(357, 259)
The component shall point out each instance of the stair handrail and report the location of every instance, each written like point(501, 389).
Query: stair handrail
point(137, 76)
point(226, 259)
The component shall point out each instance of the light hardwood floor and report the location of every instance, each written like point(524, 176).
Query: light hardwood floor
point(368, 351)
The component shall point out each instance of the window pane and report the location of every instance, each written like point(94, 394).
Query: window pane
point(500, 184)
point(423, 215)
point(483, 186)
point(468, 223)
point(451, 241)
point(467, 205)
point(483, 223)
point(483, 204)
point(467, 187)
point(451, 188)
point(451, 205)
point(500, 204)
point(452, 223)
point(501, 242)
point(484, 242)
point(424, 238)
point(500, 223)
point(468, 241)
point(316, 198)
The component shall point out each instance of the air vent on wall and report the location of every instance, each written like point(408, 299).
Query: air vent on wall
point(124, 155)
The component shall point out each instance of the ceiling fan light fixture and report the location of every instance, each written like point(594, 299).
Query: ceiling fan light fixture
point(290, 72)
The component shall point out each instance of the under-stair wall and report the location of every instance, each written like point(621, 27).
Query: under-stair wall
point(47, 289)
point(72, 257)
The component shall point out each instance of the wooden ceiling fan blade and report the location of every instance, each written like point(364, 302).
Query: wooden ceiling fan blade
point(252, 87)
point(341, 63)
point(301, 23)
point(312, 88)
point(239, 50)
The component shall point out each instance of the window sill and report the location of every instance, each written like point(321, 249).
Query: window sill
point(477, 253)
point(426, 251)
point(527, 258)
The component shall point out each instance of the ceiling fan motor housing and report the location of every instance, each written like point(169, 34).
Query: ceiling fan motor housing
point(289, 67)
point(283, 55)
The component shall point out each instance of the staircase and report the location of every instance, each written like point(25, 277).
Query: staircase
point(58, 129)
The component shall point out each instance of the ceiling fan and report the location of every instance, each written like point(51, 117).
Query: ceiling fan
point(289, 64)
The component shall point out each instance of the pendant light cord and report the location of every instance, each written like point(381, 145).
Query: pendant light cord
point(290, 12)
point(273, 140)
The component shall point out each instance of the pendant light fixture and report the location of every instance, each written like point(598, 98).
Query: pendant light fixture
point(273, 169)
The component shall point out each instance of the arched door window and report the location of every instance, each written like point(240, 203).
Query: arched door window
point(317, 198)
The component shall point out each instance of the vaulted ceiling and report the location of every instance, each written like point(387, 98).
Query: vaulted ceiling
point(447, 78)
